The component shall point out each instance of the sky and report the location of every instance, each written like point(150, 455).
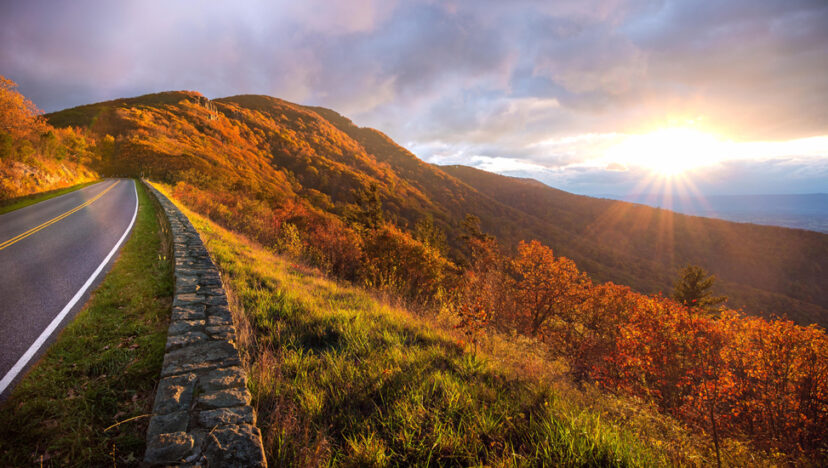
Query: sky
point(593, 97)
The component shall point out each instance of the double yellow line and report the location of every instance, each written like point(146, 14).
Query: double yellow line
point(55, 219)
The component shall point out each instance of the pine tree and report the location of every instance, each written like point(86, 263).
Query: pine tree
point(693, 290)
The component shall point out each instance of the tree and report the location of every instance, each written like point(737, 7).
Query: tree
point(547, 286)
point(369, 207)
point(483, 251)
point(471, 229)
point(693, 290)
point(430, 234)
point(18, 115)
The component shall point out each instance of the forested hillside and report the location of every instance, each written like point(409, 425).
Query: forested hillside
point(761, 268)
point(259, 154)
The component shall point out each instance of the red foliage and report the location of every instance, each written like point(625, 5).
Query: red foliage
point(766, 380)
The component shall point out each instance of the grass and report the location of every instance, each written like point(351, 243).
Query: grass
point(102, 369)
point(341, 379)
point(24, 201)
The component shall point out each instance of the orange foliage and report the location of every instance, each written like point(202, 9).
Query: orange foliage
point(397, 261)
point(741, 376)
point(547, 288)
point(34, 156)
point(19, 117)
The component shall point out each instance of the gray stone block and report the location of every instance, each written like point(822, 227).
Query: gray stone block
point(220, 312)
point(218, 320)
point(224, 398)
point(169, 448)
point(211, 290)
point(235, 446)
point(185, 339)
point(189, 312)
point(216, 300)
point(187, 299)
point(167, 423)
point(175, 394)
point(222, 332)
point(209, 419)
point(200, 356)
point(218, 379)
point(178, 327)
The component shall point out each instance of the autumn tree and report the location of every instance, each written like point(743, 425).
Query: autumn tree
point(18, 115)
point(693, 290)
point(397, 262)
point(547, 287)
point(485, 284)
point(598, 331)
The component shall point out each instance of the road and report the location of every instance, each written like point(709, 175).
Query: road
point(52, 255)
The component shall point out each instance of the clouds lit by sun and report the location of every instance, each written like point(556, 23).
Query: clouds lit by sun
point(589, 96)
point(668, 151)
point(673, 151)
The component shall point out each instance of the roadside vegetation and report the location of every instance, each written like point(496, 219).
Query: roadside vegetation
point(342, 378)
point(36, 157)
point(12, 204)
point(731, 378)
point(102, 369)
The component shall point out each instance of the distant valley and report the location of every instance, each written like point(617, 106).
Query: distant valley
point(797, 211)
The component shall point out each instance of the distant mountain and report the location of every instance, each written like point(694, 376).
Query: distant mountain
point(268, 151)
point(798, 211)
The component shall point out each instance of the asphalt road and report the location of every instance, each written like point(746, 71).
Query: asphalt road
point(52, 255)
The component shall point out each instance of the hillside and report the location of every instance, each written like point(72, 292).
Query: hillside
point(341, 379)
point(761, 268)
point(246, 156)
point(34, 156)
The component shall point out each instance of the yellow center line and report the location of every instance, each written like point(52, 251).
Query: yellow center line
point(55, 219)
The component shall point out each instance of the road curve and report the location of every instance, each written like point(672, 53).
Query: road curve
point(52, 255)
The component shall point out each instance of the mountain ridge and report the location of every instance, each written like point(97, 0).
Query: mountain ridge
point(271, 150)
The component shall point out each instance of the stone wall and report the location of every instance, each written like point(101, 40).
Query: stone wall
point(202, 413)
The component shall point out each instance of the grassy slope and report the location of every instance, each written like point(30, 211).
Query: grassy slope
point(22, 202)
point(102, 369)
point(340, 379)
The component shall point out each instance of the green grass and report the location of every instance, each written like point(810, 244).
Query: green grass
point(340, 379)
point(22, 202)
point(102, 369)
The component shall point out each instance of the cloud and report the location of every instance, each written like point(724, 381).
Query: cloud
point(550, 84)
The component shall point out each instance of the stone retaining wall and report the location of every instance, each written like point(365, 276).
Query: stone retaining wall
point(202, 413)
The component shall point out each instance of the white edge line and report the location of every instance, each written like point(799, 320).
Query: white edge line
point(33, 349)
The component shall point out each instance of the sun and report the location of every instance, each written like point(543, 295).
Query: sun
point(668, 151)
